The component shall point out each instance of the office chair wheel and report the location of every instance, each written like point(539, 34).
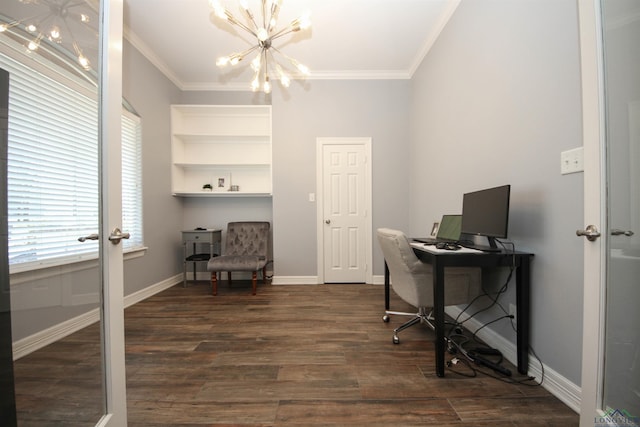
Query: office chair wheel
point(385, 318)
point(396, 340)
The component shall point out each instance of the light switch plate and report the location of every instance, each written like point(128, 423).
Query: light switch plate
point(572, 161)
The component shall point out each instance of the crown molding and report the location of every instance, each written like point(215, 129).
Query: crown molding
point(448, 12)
point(152, 57)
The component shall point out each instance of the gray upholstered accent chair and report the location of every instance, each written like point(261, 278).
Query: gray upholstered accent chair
point(246, 249)
point(411, 280)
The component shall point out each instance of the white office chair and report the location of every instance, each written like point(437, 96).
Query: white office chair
point(411, 280)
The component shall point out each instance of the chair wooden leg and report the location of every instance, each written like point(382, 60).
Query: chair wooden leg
point(229, 278)
point(214, 283)
point(254, 281)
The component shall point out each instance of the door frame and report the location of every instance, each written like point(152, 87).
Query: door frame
point(321, 142)
point(594, 210)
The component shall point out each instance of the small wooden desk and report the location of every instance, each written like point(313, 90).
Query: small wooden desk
point(441, 260)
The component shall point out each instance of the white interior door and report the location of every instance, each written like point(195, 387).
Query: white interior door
point(611, 340)
point(344, 210)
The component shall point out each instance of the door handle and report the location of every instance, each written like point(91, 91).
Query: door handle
point(89, 237)
point(117, 235)
point(591, 233)
point(618, 232)
point(327, 221)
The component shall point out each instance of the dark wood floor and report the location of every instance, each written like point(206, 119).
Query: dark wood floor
point(291, 355)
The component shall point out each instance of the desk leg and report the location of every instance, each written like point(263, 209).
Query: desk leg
point(386, 286)
point(522, 303)
point(438, 314)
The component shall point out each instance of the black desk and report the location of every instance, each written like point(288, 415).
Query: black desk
point(440, 260)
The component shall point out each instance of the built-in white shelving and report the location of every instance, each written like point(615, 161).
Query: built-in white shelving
point(221, 145)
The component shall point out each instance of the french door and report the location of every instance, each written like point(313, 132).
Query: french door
point(610, 32)
point(77, 377)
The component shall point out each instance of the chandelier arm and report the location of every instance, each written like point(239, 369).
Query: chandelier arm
point(275, 10)
point(244, 27)
point(244, 53)
point(283, 32)
point(300, 67)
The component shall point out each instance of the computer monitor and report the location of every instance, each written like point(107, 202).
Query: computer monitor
point(486, 213)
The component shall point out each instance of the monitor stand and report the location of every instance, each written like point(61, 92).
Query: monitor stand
point(493, 247)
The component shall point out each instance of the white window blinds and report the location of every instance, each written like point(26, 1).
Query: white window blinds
point(53, 193)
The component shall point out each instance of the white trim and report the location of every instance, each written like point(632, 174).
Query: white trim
point(450, 8)
point(50, 335)
point(566, 391)
point(295, 280)
point(366, 143)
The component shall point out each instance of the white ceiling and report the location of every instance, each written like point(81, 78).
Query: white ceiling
point(349, 39)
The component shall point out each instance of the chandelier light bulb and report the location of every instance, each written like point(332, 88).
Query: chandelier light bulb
point(33, 45)
point(84, 18)
point(3, 28)
point(31, 28)
point(256, 64)
point(267, 85)
point(285, 80)
point(55, 33)
point(305, 21)
point(262, 34)
point(84, 62)
point(255, 84)
point(222, 61)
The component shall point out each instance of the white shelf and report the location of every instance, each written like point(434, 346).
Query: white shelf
point(220, 194)
point(209, 142)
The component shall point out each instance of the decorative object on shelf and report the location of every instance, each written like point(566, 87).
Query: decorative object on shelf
point(61, 24)
point(234, 188)
point(222, 183)
point(207, 187)
point(265, 65)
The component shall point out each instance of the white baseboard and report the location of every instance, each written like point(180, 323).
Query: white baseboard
point(311, 280)
point(50, 335)
point(569, 393)
point(378, 280)
point(294, 280)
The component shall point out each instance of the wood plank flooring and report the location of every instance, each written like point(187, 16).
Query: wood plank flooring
point(291, 356)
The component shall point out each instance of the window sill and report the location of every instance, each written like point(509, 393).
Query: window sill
point(28, 273)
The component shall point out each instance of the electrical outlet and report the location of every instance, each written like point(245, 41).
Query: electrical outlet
point(513, 312)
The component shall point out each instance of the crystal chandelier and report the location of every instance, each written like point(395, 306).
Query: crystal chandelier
point(55, 24)
point(265, 64)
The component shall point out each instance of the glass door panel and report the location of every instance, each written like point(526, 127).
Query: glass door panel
point(621, 34)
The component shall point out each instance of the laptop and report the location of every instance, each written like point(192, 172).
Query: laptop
point(449, 231)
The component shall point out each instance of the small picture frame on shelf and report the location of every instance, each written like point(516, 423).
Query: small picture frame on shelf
point(222, 182)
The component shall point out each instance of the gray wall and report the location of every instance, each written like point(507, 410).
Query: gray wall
point(376, 109)
point(151, 93)
point(495, 102)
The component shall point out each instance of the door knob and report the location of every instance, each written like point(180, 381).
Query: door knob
point(117, 235)
point(618, 232)
point(591, 233)
point(327, 221)
point(94, 236)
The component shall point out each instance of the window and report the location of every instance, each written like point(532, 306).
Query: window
point(53, 175)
